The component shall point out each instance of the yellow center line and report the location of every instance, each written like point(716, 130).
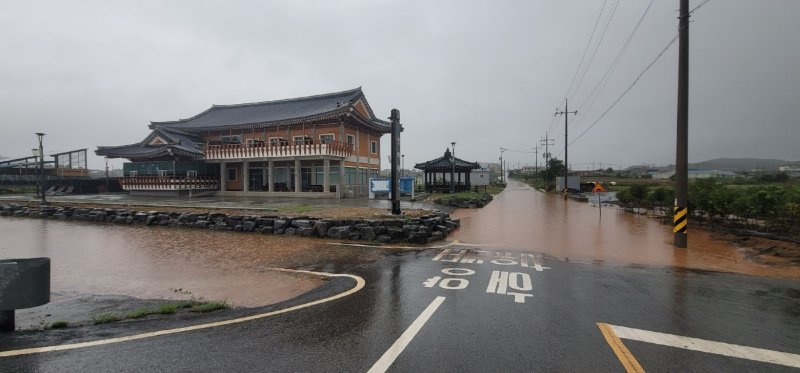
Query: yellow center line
point(35, 350)
point(623, 354)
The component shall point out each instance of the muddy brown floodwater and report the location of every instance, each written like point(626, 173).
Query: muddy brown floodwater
point(523, 219)
point(149, 262)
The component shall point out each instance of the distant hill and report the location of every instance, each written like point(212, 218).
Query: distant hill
point(742, 164)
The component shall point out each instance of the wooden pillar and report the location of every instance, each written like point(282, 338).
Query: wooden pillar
point(223, 177)
point(326, 175)
point(271, 176)
point(263, 175)
point(298, 187)
point(340, 188)
point(246, 176)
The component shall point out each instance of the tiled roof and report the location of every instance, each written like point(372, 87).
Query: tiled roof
point(178, 143)
point(274, 112)
point(148, 151)
point(445, 163)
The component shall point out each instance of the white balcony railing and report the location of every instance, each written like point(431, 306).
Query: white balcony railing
point(159, 183)
point(242, 151)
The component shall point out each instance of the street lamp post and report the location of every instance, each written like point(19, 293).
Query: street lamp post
point(402, 165)
point(453, 170)
point(41, 167)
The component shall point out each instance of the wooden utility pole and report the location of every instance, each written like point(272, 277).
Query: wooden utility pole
point(536, 166)
point(680, 218)
point(566, 114)
point(547, 142)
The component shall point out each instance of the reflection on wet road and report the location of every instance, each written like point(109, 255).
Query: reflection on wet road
point(529, 220)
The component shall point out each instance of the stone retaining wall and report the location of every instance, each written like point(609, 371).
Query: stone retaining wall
point(413, 230)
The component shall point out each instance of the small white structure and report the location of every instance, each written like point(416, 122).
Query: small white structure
point(573, 182)
point(480, 177)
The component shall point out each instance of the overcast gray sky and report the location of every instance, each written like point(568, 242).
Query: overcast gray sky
point(484, 74)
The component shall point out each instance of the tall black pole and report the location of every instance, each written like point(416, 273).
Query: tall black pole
point(536, 167)
point(453, 168)
point(680, 218)
point(395, 189)
point(566, 113)
point(41, 167)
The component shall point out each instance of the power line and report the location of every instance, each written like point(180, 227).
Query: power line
point(588, 43)
point(698, 6)
point(615, 63)
point(628, 89)
point(596, 48)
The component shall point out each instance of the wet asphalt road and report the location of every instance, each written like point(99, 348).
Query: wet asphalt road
point(472, 330)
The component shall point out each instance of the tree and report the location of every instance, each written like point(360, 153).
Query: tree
point(555, 167)
point(638, 193)
point(700, 197)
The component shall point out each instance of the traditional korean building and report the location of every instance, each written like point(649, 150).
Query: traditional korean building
point(447, 173)
point(325, 145)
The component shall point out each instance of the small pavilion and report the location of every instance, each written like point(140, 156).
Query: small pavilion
point(438, 173)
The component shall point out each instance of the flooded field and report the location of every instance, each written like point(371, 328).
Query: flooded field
point(520, 218)
point(152, 262)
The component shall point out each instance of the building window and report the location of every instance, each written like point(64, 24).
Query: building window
point(373, 147)
point(326, 138)
point(301, 140)
point(231, 174)
point(134, 173)
point(254, 142)
point(351, 139)
point(234, 139)
point(191, 173)
point(162, 173)
point(278, 141)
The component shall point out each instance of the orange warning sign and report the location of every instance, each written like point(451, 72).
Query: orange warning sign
point(598, 187)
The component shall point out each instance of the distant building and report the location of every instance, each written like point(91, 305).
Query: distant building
point(793, 171)
point(697, 174)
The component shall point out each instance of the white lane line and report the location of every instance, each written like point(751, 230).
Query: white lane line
point(359, 285)
point(400, 344)
point(711, 347)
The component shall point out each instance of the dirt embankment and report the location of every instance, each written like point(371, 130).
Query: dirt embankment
point(760, 249)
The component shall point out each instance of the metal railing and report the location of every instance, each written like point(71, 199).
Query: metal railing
point(265, 150)
point(168, 183)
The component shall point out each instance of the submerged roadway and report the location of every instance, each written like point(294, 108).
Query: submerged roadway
point(496, 305)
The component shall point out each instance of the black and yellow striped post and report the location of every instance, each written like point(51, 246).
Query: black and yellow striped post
point(680, 220)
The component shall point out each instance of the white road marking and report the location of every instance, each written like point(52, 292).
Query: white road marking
point(711, 347)
point(359, 285)
point(400, 344)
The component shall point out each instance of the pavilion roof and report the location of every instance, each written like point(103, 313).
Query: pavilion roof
point(445, 163)
point(279, 112)
point(160, 143)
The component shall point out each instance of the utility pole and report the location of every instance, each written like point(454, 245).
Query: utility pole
point(536, 166)
point(566, 114)
point(547, 142)
point(453, 169)
point(41, 167)
point(107, 184)
point(680, 218)
point(502, 172)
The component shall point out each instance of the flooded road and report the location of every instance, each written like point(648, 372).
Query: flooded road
point(524, 219)
point(148, 262)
